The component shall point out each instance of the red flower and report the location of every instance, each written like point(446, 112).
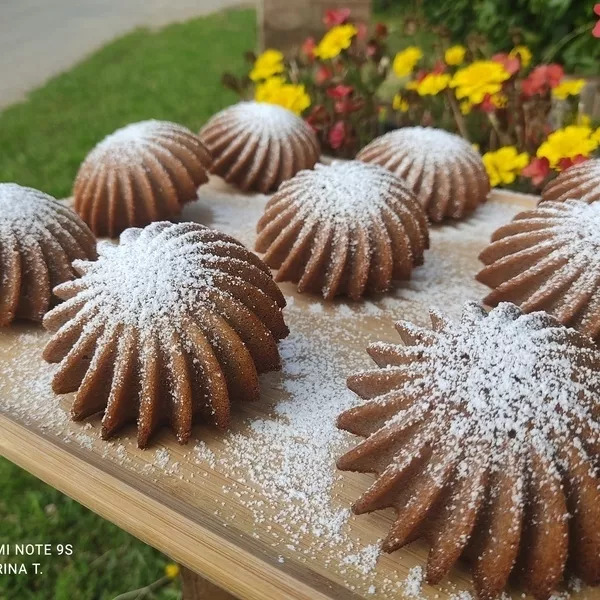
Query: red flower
point(554, 73)
point(381, 29)
point(335, 16)
point(596, 30)
point(317, 116)
point(439, 67)
point(308, 47)
point(361, 31)
point(565, 163)
point(339, 91)
point(347, 105)
point(337, 135)
point(538, 169)
point(510, 63)
point(322, 75)
point(542, 78)
point(487, 105)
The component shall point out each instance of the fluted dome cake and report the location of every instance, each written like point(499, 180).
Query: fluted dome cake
point(141, 173)
point(257, 145)
point(445, 173)
point(549, 259)
point(579, 182)
point(484, 436)
point(39, 238)
point(168, 327)
point(348, 228)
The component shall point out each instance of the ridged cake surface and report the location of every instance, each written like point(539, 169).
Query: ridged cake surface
point(549, 259)
point(141, 173)
point(257, 145)
point(168, 327)
point(484, 436)
point(446, 174)
point(348, 228)
point(579, 182)
point(39, 238)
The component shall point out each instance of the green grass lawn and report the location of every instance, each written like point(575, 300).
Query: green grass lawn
point(172, 74)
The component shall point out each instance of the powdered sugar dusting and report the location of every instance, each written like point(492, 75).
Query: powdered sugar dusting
point(346, 192)
point(130, 145)
point(265, 120)
point(434, 143)
point(29, 214)
point(152, 278)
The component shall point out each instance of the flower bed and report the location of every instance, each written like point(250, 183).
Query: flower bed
point(523, 117)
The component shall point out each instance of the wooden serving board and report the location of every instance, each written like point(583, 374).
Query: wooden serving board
point(260, 510)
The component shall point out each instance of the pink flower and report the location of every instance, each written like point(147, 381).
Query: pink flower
point(510, 63)
point(308, 47)
point(538, 169)
point(596, 30)
point(322, 75)
point(362, 31)
point(542, 78)
point(335, 16)
point(337, 135)
point(339, 91)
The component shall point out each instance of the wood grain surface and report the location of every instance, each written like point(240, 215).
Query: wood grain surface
point(202, 512)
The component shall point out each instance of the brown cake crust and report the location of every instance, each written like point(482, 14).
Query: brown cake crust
point(446, 174)
point(343, 229)
point(485, 439)
point(579, 182)
point(548, 259)
point(169, 327)
point(256, 145)
point(141, 173)
point(39, 239)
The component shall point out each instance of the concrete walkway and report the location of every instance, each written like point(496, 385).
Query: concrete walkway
point(40, 38)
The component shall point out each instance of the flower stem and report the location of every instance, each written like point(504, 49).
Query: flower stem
point(458, 118)
point(565, 40)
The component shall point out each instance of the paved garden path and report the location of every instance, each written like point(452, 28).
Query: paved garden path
point(40, 38)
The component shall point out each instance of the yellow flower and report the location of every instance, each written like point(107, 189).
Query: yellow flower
point(523, 53)
point(406, 60)
point(432, 84)
point(466, 107)
point(572, 141)
point(399, 103)
point(289, 95)
point(171, 570)
point(499, 100)
point(335, 40)
point(267, 64)
point(504, 164)
point(570, 87)
point(455, 55)
point(412, 85)
point(478, 79)
point(596, 136)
